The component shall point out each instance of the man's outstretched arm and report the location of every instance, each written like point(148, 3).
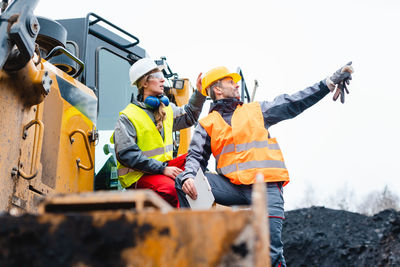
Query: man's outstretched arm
point(287, 106)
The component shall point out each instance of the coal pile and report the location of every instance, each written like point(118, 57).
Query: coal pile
point(319, 236)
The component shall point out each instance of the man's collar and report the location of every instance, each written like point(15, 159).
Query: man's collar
point(226, 104)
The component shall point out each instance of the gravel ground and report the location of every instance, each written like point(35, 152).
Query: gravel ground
point(319, 236)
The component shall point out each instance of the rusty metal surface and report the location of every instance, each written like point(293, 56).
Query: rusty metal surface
point(13, 113)
point(116, 238)
point(20, 102)
point(31, 83)
point(135, 200)
point(260, 221)
point(170, 237)
point(37, 157)
point(133, 237)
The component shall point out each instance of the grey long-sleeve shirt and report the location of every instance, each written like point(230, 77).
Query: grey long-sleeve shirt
point(281, 108)
point(128, 152)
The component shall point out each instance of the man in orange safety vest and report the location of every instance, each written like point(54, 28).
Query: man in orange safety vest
point(237, 135)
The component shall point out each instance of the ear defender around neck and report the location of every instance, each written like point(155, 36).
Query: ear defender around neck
point(153, 102)
point(164, 99)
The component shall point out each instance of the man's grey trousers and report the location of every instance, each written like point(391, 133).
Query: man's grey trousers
point(229, 194)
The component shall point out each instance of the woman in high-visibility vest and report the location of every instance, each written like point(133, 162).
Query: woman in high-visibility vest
point(143, 133)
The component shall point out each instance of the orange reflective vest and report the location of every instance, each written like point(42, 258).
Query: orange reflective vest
point(244, 149)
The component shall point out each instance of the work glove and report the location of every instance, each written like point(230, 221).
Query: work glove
point(339, 81)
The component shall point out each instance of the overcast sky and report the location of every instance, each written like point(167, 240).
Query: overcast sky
point(287, 46)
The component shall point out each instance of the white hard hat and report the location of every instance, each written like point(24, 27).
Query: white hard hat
point(141, 67)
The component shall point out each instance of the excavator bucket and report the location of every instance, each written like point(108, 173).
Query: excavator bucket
point(137, 228)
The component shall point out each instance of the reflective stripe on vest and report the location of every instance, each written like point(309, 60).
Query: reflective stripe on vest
point(150, 153)
point(251, 165)
point(244, 149)
point(158, 151)
point(148, 140)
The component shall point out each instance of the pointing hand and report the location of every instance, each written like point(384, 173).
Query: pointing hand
point(339, 81)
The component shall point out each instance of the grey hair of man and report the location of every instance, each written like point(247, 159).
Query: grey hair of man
point(211, 91)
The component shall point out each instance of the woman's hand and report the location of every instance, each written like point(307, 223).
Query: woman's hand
point(198, 83)
point(171, 171)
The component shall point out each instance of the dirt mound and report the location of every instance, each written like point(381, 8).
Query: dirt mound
point(324, 237)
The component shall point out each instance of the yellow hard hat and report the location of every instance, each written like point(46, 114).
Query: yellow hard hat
point(217, 74)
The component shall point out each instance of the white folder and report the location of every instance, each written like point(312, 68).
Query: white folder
point(205, 198)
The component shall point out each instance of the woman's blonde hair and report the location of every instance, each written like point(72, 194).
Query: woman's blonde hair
point(159, 113)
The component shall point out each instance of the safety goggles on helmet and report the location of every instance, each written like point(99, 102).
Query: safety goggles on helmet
point(156, 75)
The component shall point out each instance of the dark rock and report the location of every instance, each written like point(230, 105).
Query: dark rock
point(325, 237)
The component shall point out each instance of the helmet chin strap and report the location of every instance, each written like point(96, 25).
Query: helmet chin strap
point(154, 102)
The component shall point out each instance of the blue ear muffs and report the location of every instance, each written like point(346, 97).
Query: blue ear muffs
point(165, 100)
point(153, 102)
